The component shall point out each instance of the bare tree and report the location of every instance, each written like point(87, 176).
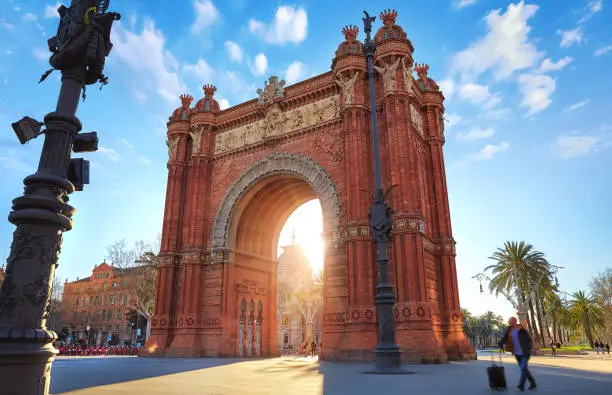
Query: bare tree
point(137, 268)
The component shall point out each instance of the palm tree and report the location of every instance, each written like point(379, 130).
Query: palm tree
point(519, 270)
point(586, 314)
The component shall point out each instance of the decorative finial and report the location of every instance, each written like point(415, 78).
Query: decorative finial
point(186, 102)
point(350, 33)
point(388, 17)
point(209, 90)
point(421, 70)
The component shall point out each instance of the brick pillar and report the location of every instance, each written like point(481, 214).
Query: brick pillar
point(163, 321)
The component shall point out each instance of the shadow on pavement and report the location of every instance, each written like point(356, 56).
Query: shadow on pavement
point(72, 374)
point(457, 378)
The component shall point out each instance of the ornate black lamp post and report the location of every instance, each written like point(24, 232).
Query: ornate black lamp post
point(42, 214)
point(387, 353)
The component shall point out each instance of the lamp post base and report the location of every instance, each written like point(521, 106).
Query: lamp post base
point(25, 362)
point(387, 360)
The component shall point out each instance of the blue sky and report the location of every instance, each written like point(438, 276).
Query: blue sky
point(527, 85)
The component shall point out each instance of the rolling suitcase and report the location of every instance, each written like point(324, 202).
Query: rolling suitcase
point(497, 375)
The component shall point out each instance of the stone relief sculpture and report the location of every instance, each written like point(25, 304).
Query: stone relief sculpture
point(388, 74)
point(408, 77)
point(172, 146)
point(196, 136)
point(277, 124)
point(274, 90)
point(347, 87)
point(417, 119)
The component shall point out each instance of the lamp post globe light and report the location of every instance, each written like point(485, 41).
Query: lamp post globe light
point(387, 353)
point(42, 213)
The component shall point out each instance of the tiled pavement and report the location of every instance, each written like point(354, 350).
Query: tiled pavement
point(305, 376)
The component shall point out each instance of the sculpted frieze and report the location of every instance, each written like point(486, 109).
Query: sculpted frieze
point(278, 123)
point(417, 118)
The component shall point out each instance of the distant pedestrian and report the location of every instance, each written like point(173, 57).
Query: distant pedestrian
point(313, 348)
point(597, 346)
point(518, 341)
point(552, 347)
point(608, 348)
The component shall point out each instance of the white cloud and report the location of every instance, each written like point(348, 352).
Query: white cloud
point(603, 51)
point(144, 160)
point(260, 65)
point(110, 153)
point(479, 95)
point(223, 103)
point(570, 37)
point(548, 65)
point(139, 95)
point(98, 166)
point(536, 89)
point(464, 3)
point(234, 51)
point(237, 85)
point(576, 106)
point(497, 114)
point(295, 72)
point(476, 134)
point(6, 25)
point(206, 15)
point(504, 49)
point(200, 70)
point(41, 53)
point(51, 10)
point(29, 17)
point(487, 153)
point(154, 67)
point(593, 8)
point(566, 147)
point(127, 143)
point(290, 26)
point(448, 87)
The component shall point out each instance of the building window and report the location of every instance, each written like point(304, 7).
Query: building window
point(104, 286)
point(286, 339)
point(119, 316)
point(111, 299)
point(117, 329)
point(109, 316)
point(115, 284)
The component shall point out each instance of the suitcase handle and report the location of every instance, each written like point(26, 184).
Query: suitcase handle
point(501, 349)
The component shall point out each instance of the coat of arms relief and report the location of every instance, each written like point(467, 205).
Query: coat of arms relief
point(276, 121)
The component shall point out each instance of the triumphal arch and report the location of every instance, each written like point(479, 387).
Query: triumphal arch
point(235, 176)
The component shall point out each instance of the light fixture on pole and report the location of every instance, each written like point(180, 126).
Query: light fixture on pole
point(42, 214)
point(387, 355)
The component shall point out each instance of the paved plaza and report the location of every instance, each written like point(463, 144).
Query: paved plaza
point(292, 376)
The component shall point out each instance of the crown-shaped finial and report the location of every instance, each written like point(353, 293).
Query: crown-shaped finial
point(421, 70)
point(350, 33)
point(388, 17)
point(209, 90)
point(186, 100)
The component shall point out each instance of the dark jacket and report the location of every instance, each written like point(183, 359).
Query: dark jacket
point(524, 340)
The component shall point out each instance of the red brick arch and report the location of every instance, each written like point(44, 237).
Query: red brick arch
point(234, 176)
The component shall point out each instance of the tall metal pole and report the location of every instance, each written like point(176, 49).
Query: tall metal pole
point(42, 213)
point(387, 353)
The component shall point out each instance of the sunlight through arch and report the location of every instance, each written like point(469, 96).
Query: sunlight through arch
point(306, 223)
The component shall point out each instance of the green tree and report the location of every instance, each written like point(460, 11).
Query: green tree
point(601, 289)
point(519, 269)
point(586, 314)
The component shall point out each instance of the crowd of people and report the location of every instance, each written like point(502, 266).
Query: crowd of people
point(86, 350)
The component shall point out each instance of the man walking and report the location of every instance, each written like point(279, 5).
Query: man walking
point(518, 341)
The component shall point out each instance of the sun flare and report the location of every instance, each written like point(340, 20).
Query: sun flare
point(307, 223)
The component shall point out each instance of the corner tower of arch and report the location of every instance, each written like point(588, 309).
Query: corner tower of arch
point(235, 176)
